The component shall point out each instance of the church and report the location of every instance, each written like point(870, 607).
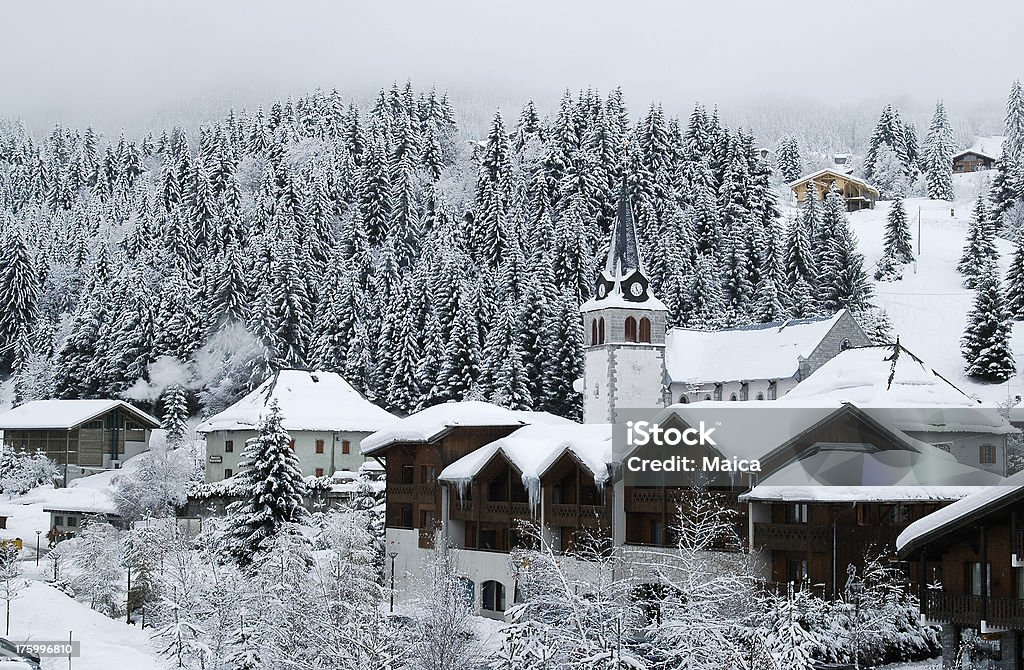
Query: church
point(633, 360)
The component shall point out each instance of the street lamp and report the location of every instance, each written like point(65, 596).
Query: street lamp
point(38, 533)
point(393, 555)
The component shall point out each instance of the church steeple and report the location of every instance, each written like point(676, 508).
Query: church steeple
point(623, 275)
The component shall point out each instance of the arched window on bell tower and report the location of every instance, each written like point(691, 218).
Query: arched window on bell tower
point(645, 329)
point(600, 330)
point(593, 332)
point(630, 329)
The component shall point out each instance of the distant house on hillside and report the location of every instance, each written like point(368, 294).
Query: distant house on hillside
point(857, 193)
point(326, 418)
point(982, 155)
point(843, 162)
point(757, 362)
point(81, 436)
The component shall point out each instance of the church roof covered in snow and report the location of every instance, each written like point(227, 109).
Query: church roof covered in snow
point(434, 422)
point(961, 513)
point(309, 400)
point(758, 351)
point(859, 473)
point(990, 146)
point(534, 449)
point(900, 387)
point(67, 414)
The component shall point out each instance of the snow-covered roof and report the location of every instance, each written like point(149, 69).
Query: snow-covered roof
point(916, 398)
point(615, 300)
point(758, 351)
point(756, 428)
point(66, 414)
point(990, 146)
point(858, 473)
point(961, 512)
point(534, 449)
point(84, 499)
point(431, 423)
point(835, 173)
point(309, 400)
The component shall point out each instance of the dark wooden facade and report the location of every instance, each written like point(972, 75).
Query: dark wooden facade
point(978, 559)
point(971, 161)
point(413, 494)
point(813, 543)
point(83, 445)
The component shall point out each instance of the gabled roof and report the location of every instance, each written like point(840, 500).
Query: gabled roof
point(835, 173)
point(309, 400)
point(858, 473)
point(897, 386)
point(758, 351)
point(534, 449)
point(990, 147)
point(67, 414)
point(961, 513)
point(434, 422)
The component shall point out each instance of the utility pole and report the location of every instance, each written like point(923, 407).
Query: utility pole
point(919, 231)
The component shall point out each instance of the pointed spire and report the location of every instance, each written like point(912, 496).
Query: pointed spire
point(624, 254)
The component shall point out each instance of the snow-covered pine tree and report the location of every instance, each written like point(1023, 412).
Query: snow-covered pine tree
point(19, 290)
point(175, 417)
point(270, 487)
point(986, 340)
point(938, 155)
point(980, 254)
point(896, 246)
point(788, 160)
point(1015, 281)
point(564, 335)
point(842, 281)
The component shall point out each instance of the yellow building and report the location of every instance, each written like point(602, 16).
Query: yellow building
point(857, 193)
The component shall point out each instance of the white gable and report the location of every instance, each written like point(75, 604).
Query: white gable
point(65, 414)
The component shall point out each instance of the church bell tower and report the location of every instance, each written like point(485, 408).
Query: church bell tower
point(624, 330)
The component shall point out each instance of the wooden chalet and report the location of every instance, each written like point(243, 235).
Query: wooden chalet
point(970, 558)
point(857, 193)
point(982, 155)
point(81, 436)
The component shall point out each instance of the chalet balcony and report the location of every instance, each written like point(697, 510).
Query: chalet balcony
point(401, 493)
point(488, 510)
point(965, 610)
point(792, 537)
point(574, 515)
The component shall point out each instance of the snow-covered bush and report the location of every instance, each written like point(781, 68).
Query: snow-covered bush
point(21, 471)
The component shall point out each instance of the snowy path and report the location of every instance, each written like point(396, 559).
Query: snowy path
point(929, 307)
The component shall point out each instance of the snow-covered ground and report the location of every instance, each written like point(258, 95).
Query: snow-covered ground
point(929, 306)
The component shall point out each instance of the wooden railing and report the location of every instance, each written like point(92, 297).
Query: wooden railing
point(403, 493)
point(964, 609)
point(793, 536)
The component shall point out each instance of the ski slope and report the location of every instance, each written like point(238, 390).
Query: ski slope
point(929, 306)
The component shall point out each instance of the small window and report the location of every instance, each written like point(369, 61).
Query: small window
point(798, 513)
point(229, 446)
point(645, 329)
point(406, 516)
point(844, 345)
point(987, 455)
point(428, 474)
point(228, 472)
point(732, 397)
point(707, 396)
point(427, 518)
point(58, 521)
point(600, 330)
point(683, 399)
point(319, 472)
point(630, 329)
point(346, 447)
point(408, 473)
point(593, 332)
point(796, 569)
point(72, 521)
point(760, 396)
point(319, 446)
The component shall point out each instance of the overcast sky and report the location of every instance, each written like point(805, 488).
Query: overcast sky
point(126, 62)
